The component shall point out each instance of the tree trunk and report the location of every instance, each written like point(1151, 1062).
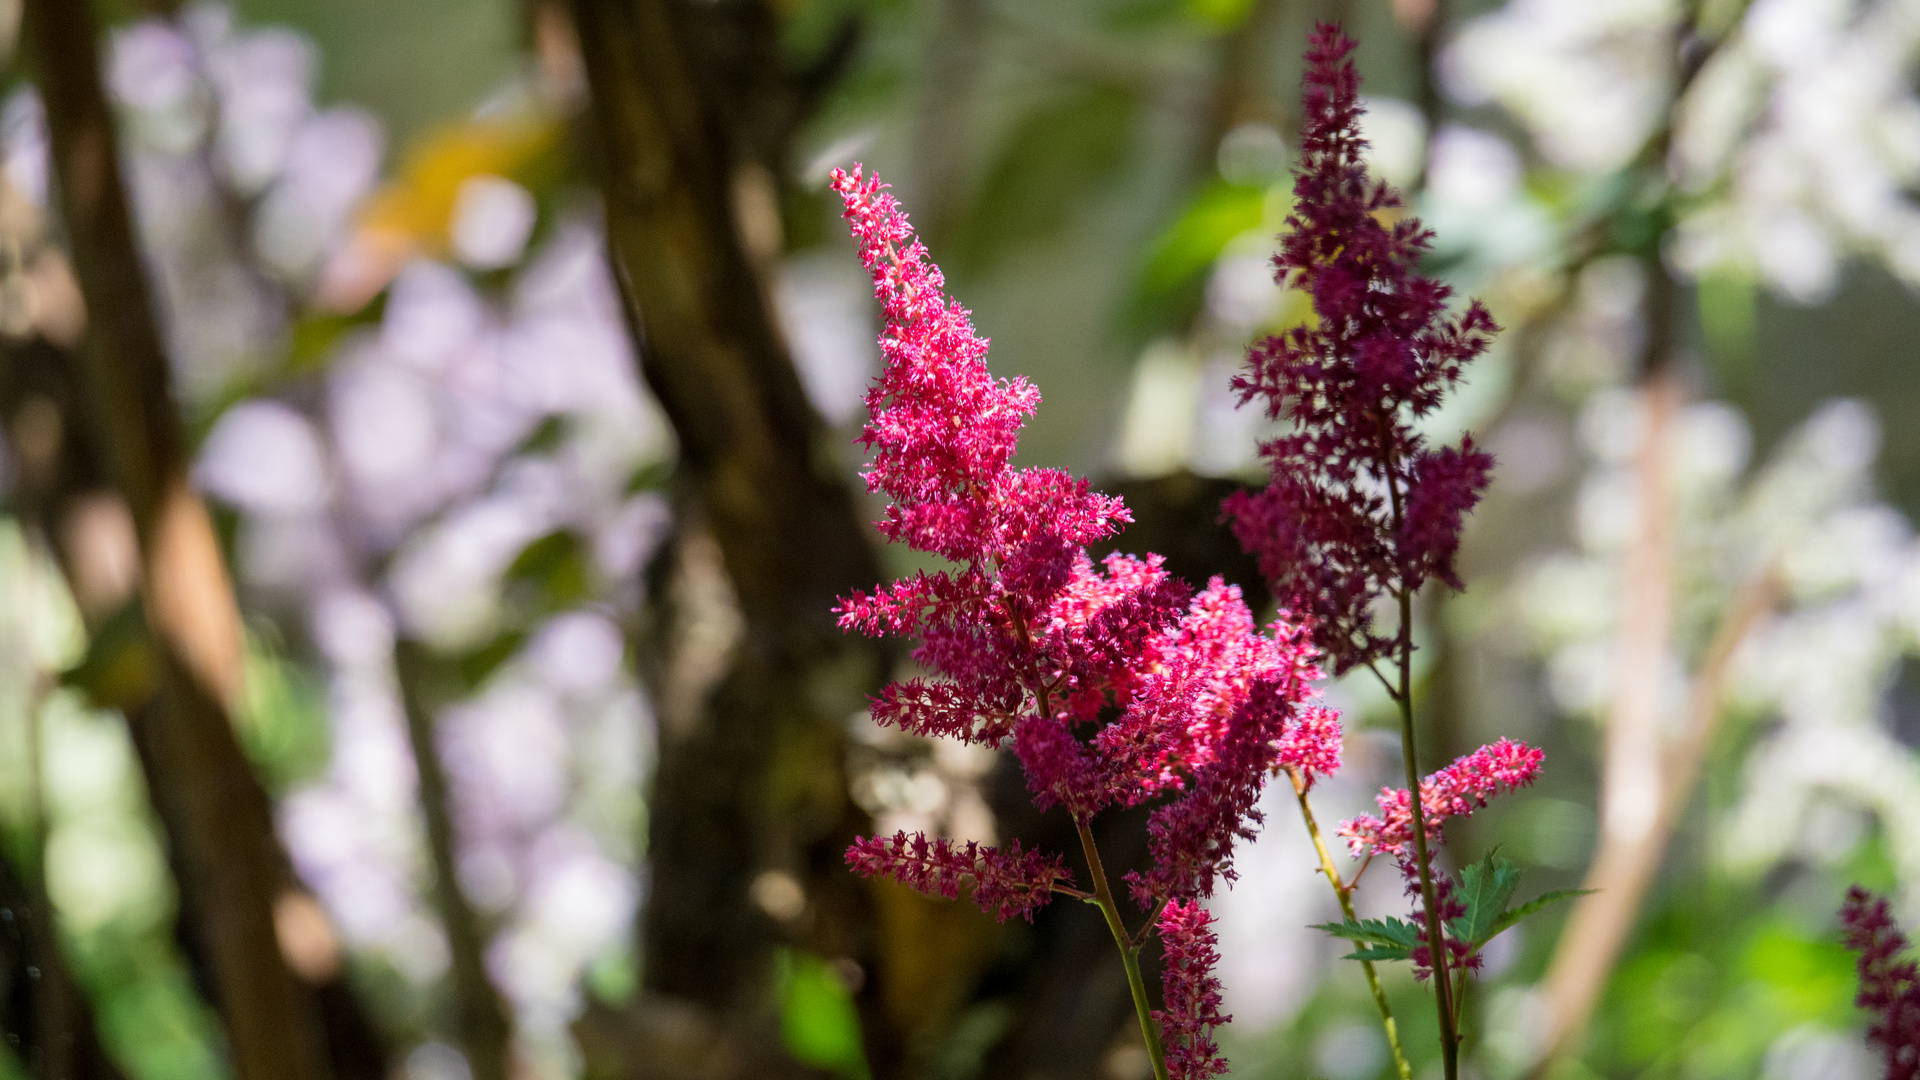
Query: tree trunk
point(217, 815)
point(751, 784)
point(46, 1020)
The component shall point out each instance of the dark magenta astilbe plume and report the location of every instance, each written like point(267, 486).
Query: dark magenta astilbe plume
point(1359, 505)
point(1889, 981)
point(1190, 952)
point(1460, 955)
point(1115, 684)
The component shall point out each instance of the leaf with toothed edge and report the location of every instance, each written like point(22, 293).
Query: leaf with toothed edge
point(1485, 888)
point(1508, 918)
point(1382, 939)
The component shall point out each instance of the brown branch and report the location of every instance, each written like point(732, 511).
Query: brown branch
point(481, 1024)
point(1624, 867)
point(219, 823)
point(47, 1021)
point(1631, 771)
point(755, 781)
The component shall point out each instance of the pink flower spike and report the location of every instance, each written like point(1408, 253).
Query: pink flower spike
point(943, 430)
point(1004, 883)
point(1455, 791)
point(1191, 992)
point(1312, 744)
point(1115, 683)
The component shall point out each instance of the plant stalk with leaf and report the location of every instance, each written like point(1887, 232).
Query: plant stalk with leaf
point(1362, 512)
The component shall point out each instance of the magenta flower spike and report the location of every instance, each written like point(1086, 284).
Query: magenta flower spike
point(1360, 510)
point(1889, 981)
point(1359, 506)
point(1115, 684)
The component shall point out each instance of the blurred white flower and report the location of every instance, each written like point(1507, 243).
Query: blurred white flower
point(825, 307)
point(263, 457)
point(492, 219)
point(264, 82)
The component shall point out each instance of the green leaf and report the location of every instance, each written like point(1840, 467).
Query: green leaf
point(1508, 918)
point(476, 666)
point(1385, 939)
point(120, 670)
point(1485, 888)
point(1191, 244)
point(1378, 952)
point(1221, 14)
point(554, 570)
point(818, 1021)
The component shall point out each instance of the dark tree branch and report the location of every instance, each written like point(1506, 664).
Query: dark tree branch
point(754, 783)
point(217, 814)
point(44, 1017)
point(482, 1025)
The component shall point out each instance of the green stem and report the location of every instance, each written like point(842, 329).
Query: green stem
point(1129, 953)
point(1344, 893)
point(1436, 944)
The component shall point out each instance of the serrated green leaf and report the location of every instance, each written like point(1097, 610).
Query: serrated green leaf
point(1379, 952)
point(1391, 935)
point(1485, 888)
point(1510, 917)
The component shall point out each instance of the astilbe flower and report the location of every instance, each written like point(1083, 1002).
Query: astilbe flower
point(1455, 791)
point(1359, 506)
point(1115, 684)
point(1004, 883)
point(1190, 950)
point(1889, 981)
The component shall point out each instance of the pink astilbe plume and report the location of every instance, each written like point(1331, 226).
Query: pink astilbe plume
point(1192, 994)
point(1114, 683)
point(1004, 883)
point(1455, 791)
point(1312, 744)
point(1359, 506)
point(1889, 981)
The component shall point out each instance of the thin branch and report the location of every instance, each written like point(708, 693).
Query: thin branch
point(1429, 896)
point(483, 1027)
point(1140, 937)
point(1344, 893)
point(1623, 868)
point(1129, 952)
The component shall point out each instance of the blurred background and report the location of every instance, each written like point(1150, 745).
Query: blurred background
point(421, 518)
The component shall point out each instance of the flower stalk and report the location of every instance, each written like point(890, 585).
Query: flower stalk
point(1129, 951)
point(1423, 860)
point(1343, 892)
point(1361, 507)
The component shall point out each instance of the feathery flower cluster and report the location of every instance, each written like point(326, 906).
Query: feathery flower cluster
point(1190, 952)
point(1004, 883)
point(1359, 505)
point(1455, 791)
point(1116, 684)
point(1889, 983)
